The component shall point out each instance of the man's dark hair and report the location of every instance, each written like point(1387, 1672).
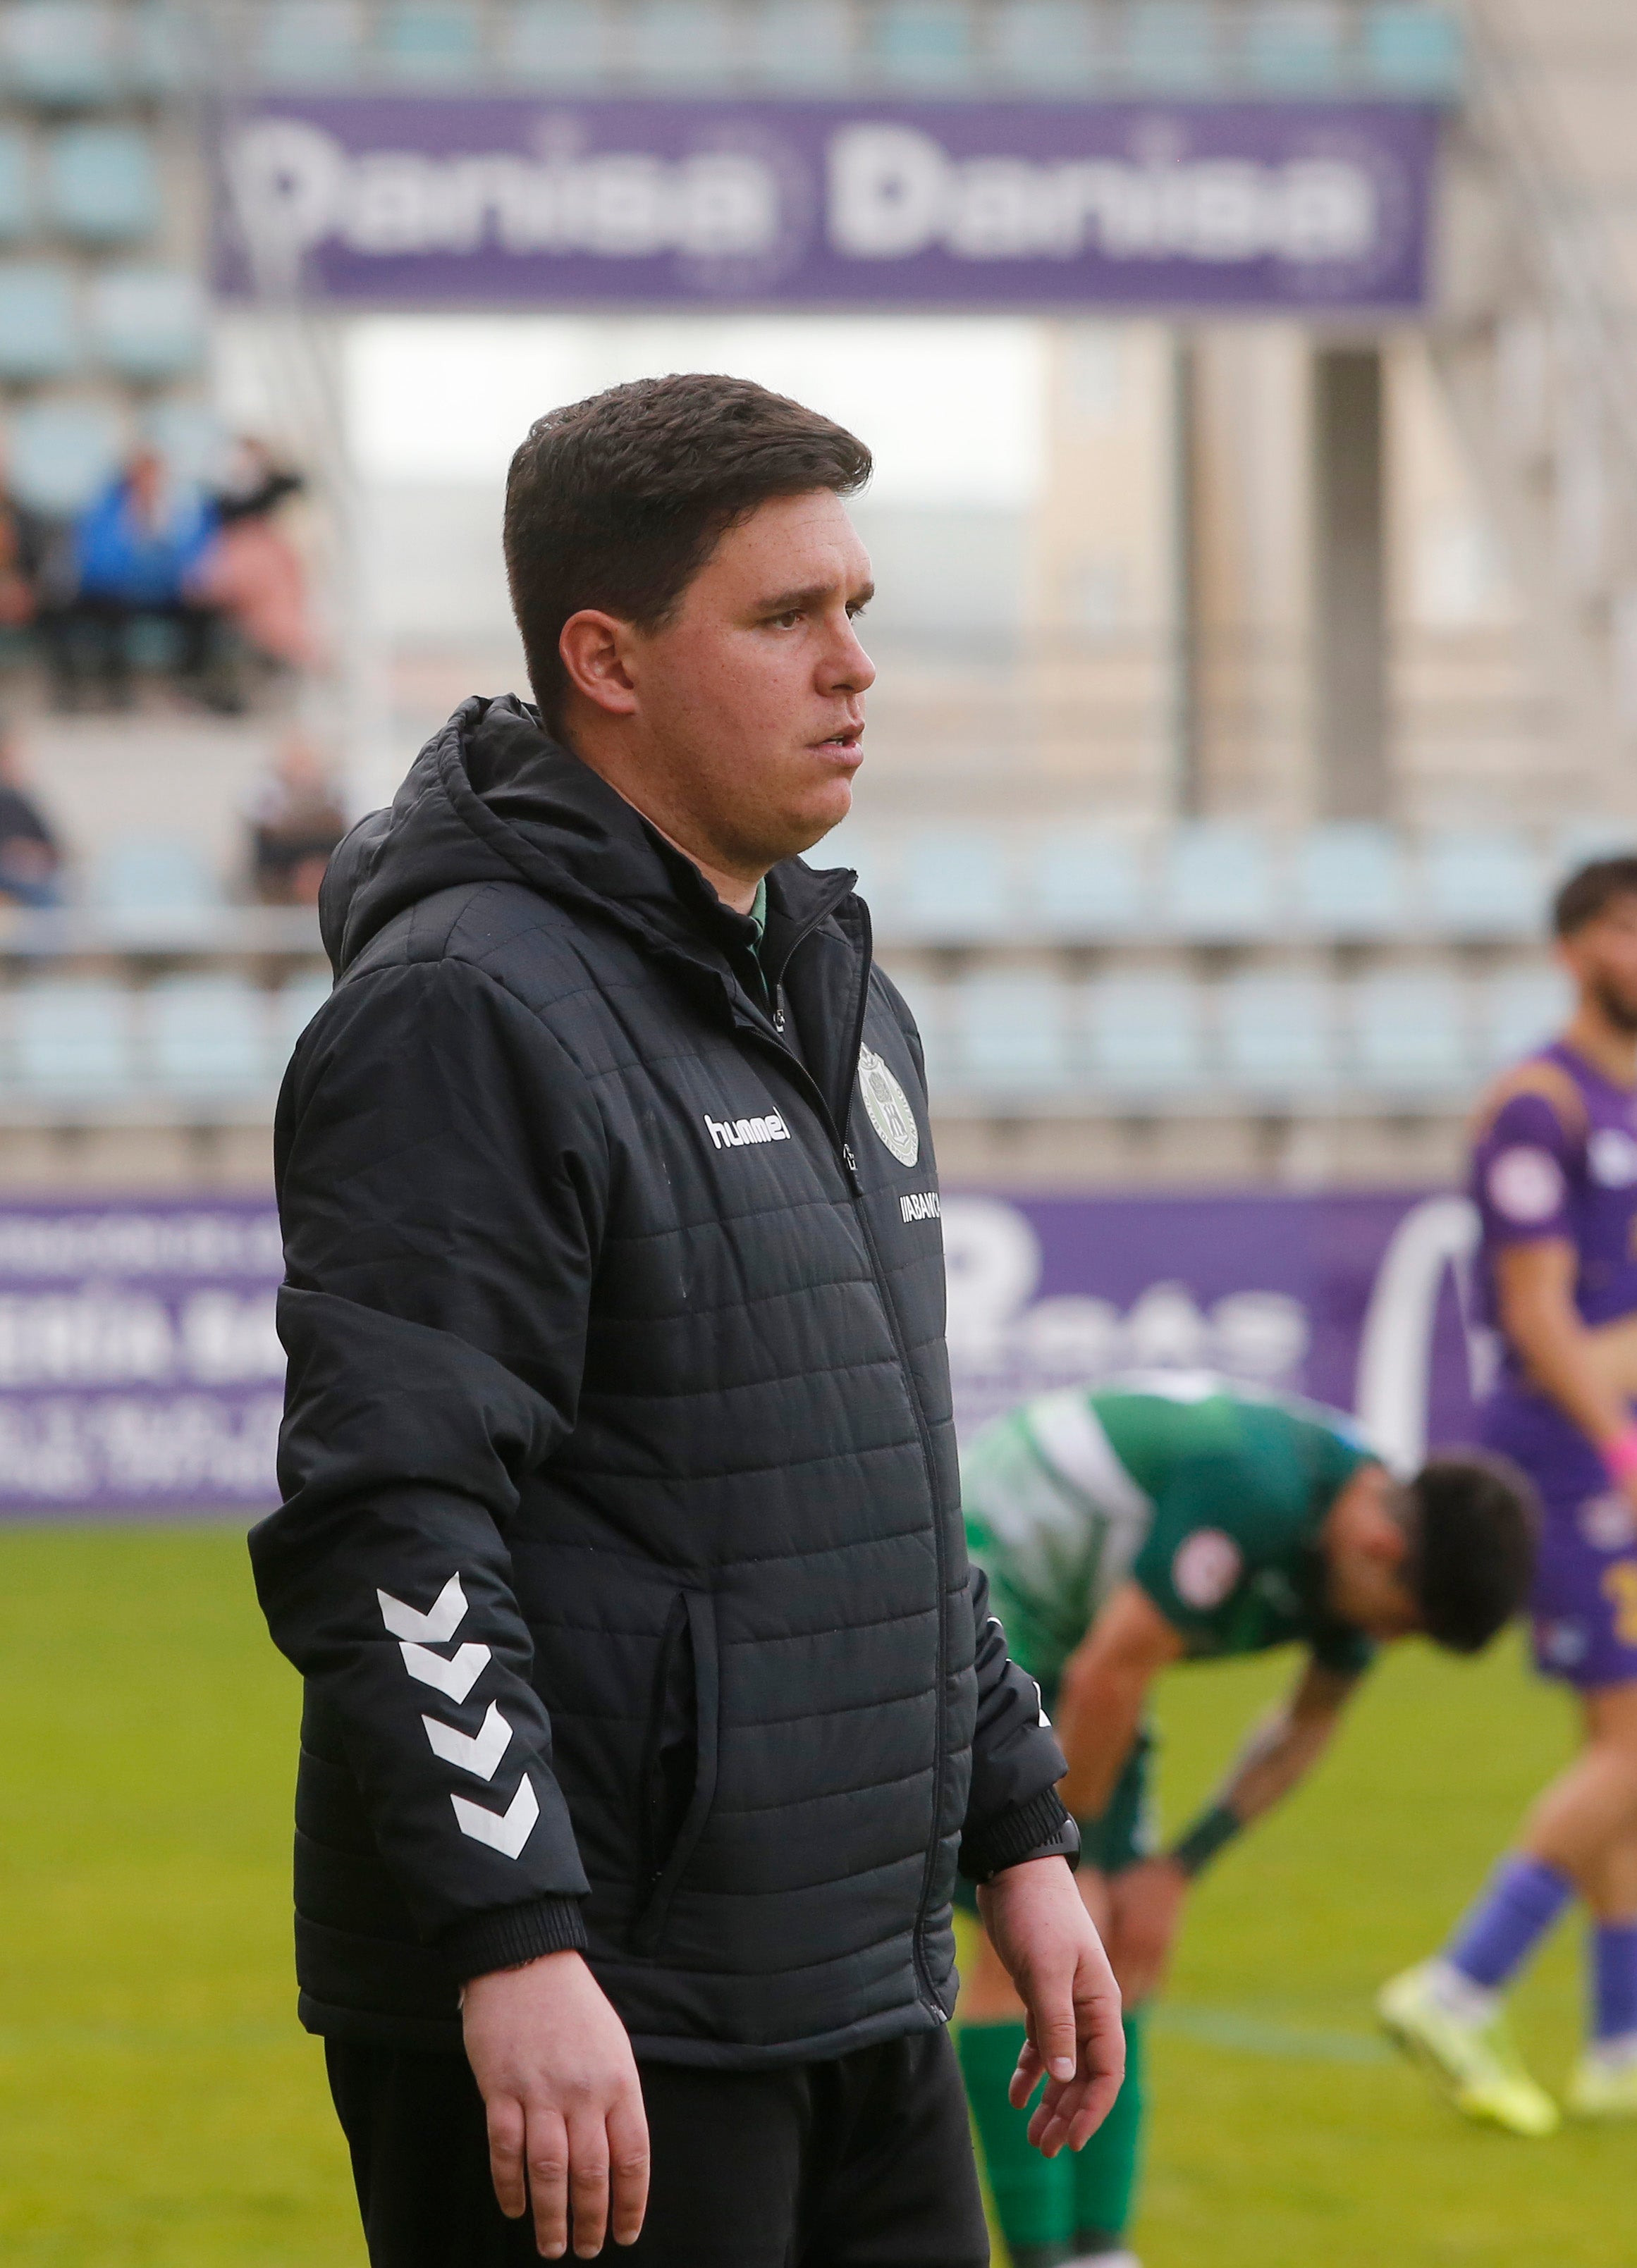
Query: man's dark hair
point(617, 502)
point(1591, 890)
point(1473, 1523)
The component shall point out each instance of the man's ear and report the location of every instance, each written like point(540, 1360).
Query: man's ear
point(595, 648)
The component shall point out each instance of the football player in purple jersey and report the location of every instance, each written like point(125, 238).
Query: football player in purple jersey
point(1554, 1178)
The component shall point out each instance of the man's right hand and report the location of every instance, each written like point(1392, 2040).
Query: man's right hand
point(566, 2124)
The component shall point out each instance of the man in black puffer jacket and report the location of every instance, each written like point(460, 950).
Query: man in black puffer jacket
point(651, 1704)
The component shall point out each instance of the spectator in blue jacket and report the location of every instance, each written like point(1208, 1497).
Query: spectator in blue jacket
point(138, 549)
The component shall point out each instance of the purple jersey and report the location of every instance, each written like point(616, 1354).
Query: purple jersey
point(1556, 1156)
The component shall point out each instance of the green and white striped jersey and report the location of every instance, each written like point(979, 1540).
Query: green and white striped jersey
point(1212, 1496)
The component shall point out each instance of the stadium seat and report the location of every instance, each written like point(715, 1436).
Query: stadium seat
point(803, 43)
point(1045, 44)
point(555, 42)
point(16, 185)
point(190, 438)
point(952, 886)
point(922, 43)
point(1295, 45)
point(1350, 881)
point(1409, 1034)
point(206, 1035)
point(1479, 883)
point(60, 53)
point(1082, 888)
point(932, 1005)
point(1145, 1034)
point(154, 890)
point(39, 322)
point(1169, 43)
point(60, 454)
point(1218, 881)
point(73, 1039)
point(310, 42)
point(673, 42)
point(1578, 841)
point(148, 323)
point(432, 40)
point(872, 858)
point(101, 183)
point(294, 1006)
point(1518, 1010)
point(1279, 1035)
point(165, 57)
point(1011, 1035)
point(1414, 49)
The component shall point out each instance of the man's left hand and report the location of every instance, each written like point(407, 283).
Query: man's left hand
point(1043, 1934)
point(1145, 1907)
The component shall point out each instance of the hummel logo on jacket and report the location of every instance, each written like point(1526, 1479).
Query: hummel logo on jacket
point(621, 1547)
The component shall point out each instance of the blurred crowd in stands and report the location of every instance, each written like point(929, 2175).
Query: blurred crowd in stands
point(199, 586)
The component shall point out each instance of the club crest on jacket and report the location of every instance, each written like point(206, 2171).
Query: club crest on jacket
point(889, 1106)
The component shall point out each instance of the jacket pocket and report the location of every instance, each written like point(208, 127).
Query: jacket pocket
point(679, 1760)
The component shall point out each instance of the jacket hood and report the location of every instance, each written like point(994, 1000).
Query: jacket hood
point(493, 798)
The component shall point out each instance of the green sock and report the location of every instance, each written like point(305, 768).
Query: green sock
point(1106, 2170)
point(1033, 2195)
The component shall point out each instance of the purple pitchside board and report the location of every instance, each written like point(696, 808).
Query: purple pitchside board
point(521, 202)
point(141, 1373)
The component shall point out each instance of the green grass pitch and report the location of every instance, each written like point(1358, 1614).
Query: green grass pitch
point(161, 2108)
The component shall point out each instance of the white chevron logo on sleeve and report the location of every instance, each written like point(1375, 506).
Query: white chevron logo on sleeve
point(456, 1678)
point(437, 1626)
point(506, 1831)
point(477, 1753)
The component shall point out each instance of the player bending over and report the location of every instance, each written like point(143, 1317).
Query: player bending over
point(1130, 1526)
point(1554, 1174)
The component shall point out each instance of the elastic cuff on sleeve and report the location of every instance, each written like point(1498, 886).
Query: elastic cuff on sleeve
point(1039, 1828)
point(507, 1936)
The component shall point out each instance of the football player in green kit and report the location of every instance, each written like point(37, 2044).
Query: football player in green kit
point(1169, 1518)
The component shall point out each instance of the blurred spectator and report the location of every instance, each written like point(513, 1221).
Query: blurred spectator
point(253, 571)
point(137, 549)
point(30, 859)
point(296, 818)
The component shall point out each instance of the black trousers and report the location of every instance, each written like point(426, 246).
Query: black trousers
point(863, 2162)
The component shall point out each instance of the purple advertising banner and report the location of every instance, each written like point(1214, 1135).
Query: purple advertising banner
point(509, 201)
point(140, 1372)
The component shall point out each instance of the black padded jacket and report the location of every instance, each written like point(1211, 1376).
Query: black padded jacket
point(620, 1548)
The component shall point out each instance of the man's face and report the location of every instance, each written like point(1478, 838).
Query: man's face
point(1602, 958)
point(751, 698)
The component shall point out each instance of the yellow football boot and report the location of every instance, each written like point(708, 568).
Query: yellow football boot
point(1476, 2062)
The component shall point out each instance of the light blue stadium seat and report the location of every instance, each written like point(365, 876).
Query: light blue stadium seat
point(1295, 45)
point(1482, 883)
point(803, 43)
point(1350, 880)
point(16, 184)
point(62, 53)
point(434, 40)
point(73, 1040)
point(1045, 44)
point(1083, 887)
point(1413, 49)
point(1146, 1034)
point(1279, 1035)
point(148, 323)
point(1578, 841)
point(165, 56)
point(155, 887)
point(1012, 1034)
point(675, 43)
point(1520, 1010)
point(190, 438)
point(923, 43)
point(101, 183)
point(1218, 881)
point(294, 1006)
point(952, 886)
point(933, 1005)
point(206, 1035)
point(555, 42)
point(1169, 43)
point(310, 42)
point(39, 321)
point(61, 453)
point(1410, 1035)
